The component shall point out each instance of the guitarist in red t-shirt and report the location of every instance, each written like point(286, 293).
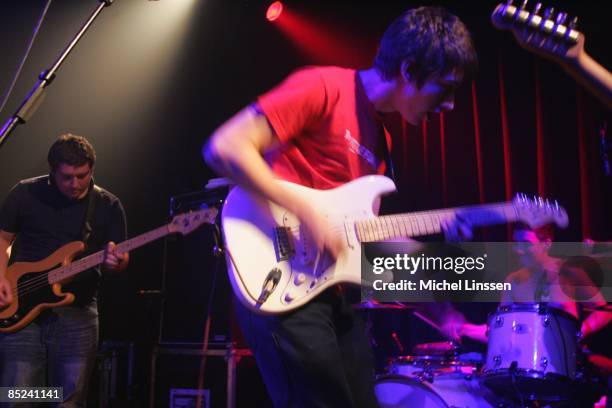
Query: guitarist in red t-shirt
point(321, 128)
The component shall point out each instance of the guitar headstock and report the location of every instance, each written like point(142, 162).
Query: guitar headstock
point(535, 29)
point(190, 221)
point(537, 211)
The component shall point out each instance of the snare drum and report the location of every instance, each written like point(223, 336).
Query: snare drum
point(415, 365)
point(531, 351)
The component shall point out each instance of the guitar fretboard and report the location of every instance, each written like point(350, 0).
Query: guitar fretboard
point(416, 224)
point(95, 259)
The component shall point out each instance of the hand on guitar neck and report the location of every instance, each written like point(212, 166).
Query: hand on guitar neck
point(549, 36)
point(6, 296)
point(326, 238)
point(457, 230)
point(115, 261)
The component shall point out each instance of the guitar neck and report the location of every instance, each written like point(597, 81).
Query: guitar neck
point(421, 223)
point(95, 259)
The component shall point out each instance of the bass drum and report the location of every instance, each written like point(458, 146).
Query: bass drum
point(439, 391)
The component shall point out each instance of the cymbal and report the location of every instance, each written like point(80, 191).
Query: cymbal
point(375, 305)
point(436, 348)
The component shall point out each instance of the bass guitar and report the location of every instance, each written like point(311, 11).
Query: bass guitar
point(37, 286)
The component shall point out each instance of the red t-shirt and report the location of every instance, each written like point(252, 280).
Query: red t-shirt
point(330, 131)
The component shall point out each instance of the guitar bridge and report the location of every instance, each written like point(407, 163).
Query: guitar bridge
point(283, 246)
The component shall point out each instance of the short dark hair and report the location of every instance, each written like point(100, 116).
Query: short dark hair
point(433, 40)
point(72, 150)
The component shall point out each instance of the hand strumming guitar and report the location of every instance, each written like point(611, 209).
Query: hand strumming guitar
point(6, 297)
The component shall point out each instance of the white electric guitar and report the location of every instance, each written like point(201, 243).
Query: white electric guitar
point(274, 267)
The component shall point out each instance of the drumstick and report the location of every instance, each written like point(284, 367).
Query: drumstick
point(435, 326)
point(427, 320)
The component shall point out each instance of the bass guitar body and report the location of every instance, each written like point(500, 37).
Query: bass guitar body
point(33, 291)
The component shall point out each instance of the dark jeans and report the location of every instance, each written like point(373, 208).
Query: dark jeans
point(316, 356)
point(58, 349)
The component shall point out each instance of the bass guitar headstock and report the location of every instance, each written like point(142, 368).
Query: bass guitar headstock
point(527, 23)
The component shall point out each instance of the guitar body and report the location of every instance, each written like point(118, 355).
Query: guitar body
point(274, 266)
point(33, 291)
point(263, 239)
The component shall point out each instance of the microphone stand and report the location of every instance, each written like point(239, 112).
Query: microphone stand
point(37, 93)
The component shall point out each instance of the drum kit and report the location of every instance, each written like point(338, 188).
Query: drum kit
point(533, 359)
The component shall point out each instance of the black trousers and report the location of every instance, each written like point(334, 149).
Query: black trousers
point(315, 356)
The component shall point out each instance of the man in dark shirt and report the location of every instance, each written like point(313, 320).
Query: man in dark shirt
point(38, 216)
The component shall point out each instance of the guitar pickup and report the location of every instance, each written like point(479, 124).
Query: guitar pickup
point(283, 244)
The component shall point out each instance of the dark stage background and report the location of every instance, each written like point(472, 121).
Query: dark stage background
point(152, 79)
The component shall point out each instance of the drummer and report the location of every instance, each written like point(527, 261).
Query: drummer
point(540, 279)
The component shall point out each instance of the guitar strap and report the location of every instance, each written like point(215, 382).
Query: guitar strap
point(89, 215)
point(389, 169)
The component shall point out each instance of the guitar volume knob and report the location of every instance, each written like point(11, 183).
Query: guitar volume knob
point(299, 279)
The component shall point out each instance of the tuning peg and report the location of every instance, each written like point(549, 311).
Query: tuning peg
point(561, 17)
point(536, 9)
point(534, 19)
point(559, 29)
point(546, 24)
point(549, 12)
point(521, 15)
point(504, 11)
point(571, 35)
point(573, 22)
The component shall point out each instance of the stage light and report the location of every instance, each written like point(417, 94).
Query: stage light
point(274, 11)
